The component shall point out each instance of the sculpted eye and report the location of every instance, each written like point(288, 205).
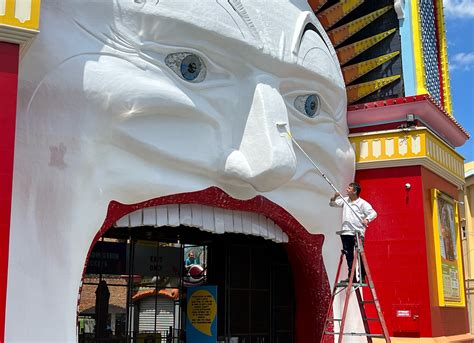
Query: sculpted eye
point(187, 66)
point(309, 105)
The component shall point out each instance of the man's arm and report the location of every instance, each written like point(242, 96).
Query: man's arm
point(336, 201)
point(369, 213)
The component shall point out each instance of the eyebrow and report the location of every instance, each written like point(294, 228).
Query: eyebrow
point(304, 23)
point(311, 27)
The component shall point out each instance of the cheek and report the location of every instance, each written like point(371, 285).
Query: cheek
point(154, 116)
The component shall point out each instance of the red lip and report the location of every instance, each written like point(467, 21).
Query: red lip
point(304, 251)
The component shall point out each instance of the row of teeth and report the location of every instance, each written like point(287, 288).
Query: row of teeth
point(206, 218)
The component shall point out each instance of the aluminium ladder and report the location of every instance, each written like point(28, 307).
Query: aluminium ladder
point(339, 286)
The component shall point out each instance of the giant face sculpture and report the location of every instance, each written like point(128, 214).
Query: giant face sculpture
point(141, 101)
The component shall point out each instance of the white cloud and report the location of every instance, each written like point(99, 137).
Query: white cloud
point(459, 8)
point(462, 61)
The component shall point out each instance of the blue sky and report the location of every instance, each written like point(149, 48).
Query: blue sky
point(459, 16)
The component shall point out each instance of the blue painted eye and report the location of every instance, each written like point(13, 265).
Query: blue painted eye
point(187, 66)
point(191, 67)
point(309, 105)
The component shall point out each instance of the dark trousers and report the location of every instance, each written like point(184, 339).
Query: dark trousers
point(348, 245)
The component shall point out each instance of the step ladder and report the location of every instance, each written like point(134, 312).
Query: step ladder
point(355, 286)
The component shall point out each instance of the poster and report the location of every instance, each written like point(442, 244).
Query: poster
point(201, 314)
point(448, 250)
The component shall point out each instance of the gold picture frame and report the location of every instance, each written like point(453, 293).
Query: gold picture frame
point(447, 241)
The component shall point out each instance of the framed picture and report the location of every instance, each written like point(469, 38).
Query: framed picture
point(448, 256)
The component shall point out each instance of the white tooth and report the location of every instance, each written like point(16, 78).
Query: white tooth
point(255, 224)
point(228, 221)
point(219, 220)
point(263, 226)
point(173, 215)
point(271, 229)
point(196, 212)
point(136, 218)
point(237, 221)
point(185, 217)
point(247, 223)
point(149, 216)
point(278, 234)
point(123, 222)
point(162, 215)
point(208, 219)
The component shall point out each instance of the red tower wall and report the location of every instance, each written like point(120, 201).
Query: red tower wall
point(9, 54)
point(400, 252)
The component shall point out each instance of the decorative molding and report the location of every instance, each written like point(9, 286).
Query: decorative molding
point(361, 90)
point(333, 14)
point(23, 14)
point(317, 4)
point(395, 110)
point(19, 22)
point(443, 57)
point(16, 35)
point(354, 71)
point(396, 148)
point(343, 32)
point(348, 52)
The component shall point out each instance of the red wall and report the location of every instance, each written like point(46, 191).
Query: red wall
point(8, 93)
point(396, 249)
point(400, 251)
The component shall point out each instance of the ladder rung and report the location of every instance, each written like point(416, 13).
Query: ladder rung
point(375, 335)
point(367, 302)
point(334, 320)
point(345, 284)
point(371, 319)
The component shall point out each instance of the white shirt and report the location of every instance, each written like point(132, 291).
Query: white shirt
point(350, 221)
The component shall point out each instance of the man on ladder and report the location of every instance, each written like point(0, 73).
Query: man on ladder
point(357, 213)
point(351, 222)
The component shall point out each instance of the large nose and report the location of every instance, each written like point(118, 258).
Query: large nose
point(265, 158)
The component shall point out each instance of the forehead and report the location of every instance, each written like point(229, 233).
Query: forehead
point(266, 28)
point(261, 33)
point(245, 20)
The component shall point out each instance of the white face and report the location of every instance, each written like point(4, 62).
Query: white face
point(132, 100)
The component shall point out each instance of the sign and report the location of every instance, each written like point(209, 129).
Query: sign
point(107, 258)
point(403, 313)
point(151, 260)
point(201, 321)
point(447, 250)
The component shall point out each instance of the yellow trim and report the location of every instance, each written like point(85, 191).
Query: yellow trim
point(437, 247)
point(10, 19)
point(402, 144)
point(418, 49)
point(443, 55)
point(435, 194)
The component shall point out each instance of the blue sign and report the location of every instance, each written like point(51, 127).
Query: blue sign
point(201, 314)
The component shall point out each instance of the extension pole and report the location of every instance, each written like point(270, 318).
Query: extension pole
point(319, 170)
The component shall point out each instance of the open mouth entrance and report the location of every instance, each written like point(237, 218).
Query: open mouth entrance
point(292, 307)
point(138, 279)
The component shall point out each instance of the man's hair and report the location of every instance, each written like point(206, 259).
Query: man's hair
point(355, 186)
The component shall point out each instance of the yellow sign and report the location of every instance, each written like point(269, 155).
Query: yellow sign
point(20, 13)
point(447, 250)
point(202, 309)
